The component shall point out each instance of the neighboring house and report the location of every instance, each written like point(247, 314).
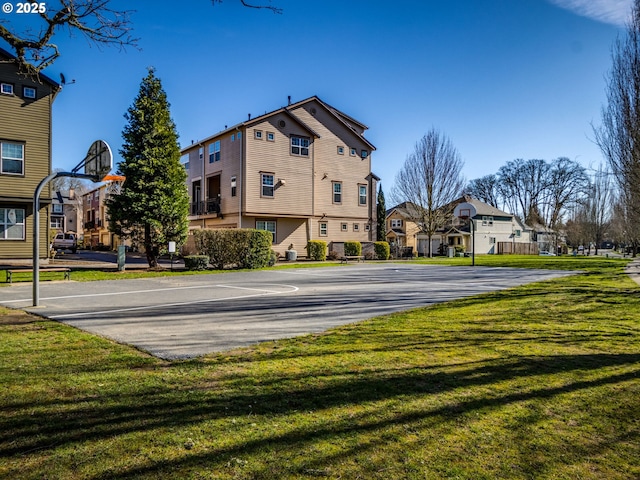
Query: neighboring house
point(25, 158)
point(96, 220)
point(302, 172)
point(404, 233)
point(66, 213)
point(496, 232)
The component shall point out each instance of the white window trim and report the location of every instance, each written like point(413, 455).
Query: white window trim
point(29, 89)
point(265, 225)
point(344, 227)
point(257, 134)
point(333, 193)
point(6, 223)
point(263, 185)
point(271, 137)
point(11, 88)
point(360, 196)
point(21, 173)
point(303, 145)
point(323, 229)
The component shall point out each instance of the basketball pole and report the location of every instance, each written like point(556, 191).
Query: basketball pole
point(36, 225)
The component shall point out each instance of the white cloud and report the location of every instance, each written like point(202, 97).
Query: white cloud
point(615, 12)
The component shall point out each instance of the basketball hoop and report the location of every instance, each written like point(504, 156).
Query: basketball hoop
point(114, 183)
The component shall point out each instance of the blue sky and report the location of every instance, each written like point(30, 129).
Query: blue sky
point(503, 79)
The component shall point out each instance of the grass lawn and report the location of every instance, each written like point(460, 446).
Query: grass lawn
point(540, 381)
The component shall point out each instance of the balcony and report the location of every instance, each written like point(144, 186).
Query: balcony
point(208, 207)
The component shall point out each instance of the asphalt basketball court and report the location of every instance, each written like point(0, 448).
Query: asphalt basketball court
point(192, 315)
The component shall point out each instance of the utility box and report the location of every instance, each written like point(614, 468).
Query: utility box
point(122, 257)
point(451, 252)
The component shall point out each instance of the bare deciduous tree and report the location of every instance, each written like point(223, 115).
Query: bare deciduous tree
point(619, 134)
point(485, 189)
point(522, 186)
point(95, 20)
point(566, 181)
point(431, 178)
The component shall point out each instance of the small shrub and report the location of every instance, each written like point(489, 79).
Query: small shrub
point(333, 255)
point(382, 249)
point(317, 250)
point(239, 248)
point(352, 249)
point(273, 258)
point(258, 251)
point(196, 262)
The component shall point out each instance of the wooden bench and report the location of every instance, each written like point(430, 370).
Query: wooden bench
point(10, 272)
point(346, 258)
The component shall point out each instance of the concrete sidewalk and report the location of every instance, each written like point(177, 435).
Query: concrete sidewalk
point(633, 270)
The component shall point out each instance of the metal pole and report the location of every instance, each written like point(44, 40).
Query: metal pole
point(36, 237)
point(473, 244)
point(36, 227)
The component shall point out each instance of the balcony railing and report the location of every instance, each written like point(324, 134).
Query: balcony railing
point(206, 207)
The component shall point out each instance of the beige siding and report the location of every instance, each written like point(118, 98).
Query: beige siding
point(293, 174)
point(331, 167)
point(26, 121)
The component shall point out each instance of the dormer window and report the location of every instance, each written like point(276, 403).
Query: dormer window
point(364, 154)
point(6, 89)
point(29, 92)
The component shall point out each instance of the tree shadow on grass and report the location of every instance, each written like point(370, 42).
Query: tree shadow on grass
point(34, 429)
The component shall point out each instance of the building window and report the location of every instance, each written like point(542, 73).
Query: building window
point(492, 240)
point(11, 224)
point(271, 137)
point(395, 223)
point(29, 92)
point(324, 229)
point(57, 208)
point(12, 161)
point(201, 152)
point(340, 150)
point(364, 154)
point(337, 192)
point(356, 227)
point(184, 160)
point(300, 146)
point(6, 88)
point(233, 137)
point(269, 226)
point(233, 186)
point(367, 228)
point(344, 227)
point(257, 134)
point(487, 221)
point(518, 233)
point(362, 194)
point(267, 185)
point(57, 223)
point(352, 152)
point(214, 152)
point(239, 135)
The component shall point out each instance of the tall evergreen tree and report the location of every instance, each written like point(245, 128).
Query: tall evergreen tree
point(381, 231)
point(153, 205)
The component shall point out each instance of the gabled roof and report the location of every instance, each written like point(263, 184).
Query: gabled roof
point(288, 110)
point(9, 56)
point(482, 208)
point(405, 209)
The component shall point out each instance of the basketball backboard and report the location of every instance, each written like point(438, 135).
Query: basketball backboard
point(464, 210)
point(99, 160)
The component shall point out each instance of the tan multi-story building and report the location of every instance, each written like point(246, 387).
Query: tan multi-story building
point(25, 157)
point(302, 172)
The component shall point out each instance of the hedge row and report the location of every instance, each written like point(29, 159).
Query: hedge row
point(239, 248)
point(317, 250)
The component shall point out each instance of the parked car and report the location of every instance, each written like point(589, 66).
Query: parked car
point(547, 254)
point(66, 241)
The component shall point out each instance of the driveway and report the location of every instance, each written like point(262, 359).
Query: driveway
point(188, 316)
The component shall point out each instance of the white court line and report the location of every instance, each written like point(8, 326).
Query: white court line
point(132, 292)
point(149, 307)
